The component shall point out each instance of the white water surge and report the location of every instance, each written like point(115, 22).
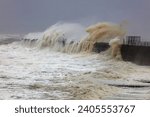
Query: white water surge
point(29, 72)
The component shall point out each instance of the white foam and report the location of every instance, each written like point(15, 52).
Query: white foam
point(30, 73)
point(35, 35)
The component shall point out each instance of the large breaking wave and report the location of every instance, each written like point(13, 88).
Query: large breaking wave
point(74, 37)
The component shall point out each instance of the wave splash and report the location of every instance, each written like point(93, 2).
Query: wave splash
point(75, 38)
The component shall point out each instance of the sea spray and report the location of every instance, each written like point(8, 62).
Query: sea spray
point(115, 45)
point(75, 38)
point(104, 32)
point(31, 39)
point(64, 37)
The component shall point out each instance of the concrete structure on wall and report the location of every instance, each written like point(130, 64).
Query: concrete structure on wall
point(132, 49)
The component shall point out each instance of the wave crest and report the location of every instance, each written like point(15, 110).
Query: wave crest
point(74, 37)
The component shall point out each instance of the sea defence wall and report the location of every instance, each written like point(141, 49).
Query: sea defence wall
point(132, 49)
point(136, 54)
point(135, 50)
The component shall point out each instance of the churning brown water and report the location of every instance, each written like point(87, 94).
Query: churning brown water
point(60, 65)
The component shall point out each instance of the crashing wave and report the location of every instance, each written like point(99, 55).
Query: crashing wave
point(75, 38)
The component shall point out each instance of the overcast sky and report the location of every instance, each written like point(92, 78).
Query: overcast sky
point(23, 16)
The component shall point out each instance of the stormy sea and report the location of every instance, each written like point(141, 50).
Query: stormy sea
point(59, 63)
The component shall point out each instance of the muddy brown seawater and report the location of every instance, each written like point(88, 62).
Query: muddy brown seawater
point(31, 73)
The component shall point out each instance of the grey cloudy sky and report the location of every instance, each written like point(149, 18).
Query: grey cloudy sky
point(23, 16)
